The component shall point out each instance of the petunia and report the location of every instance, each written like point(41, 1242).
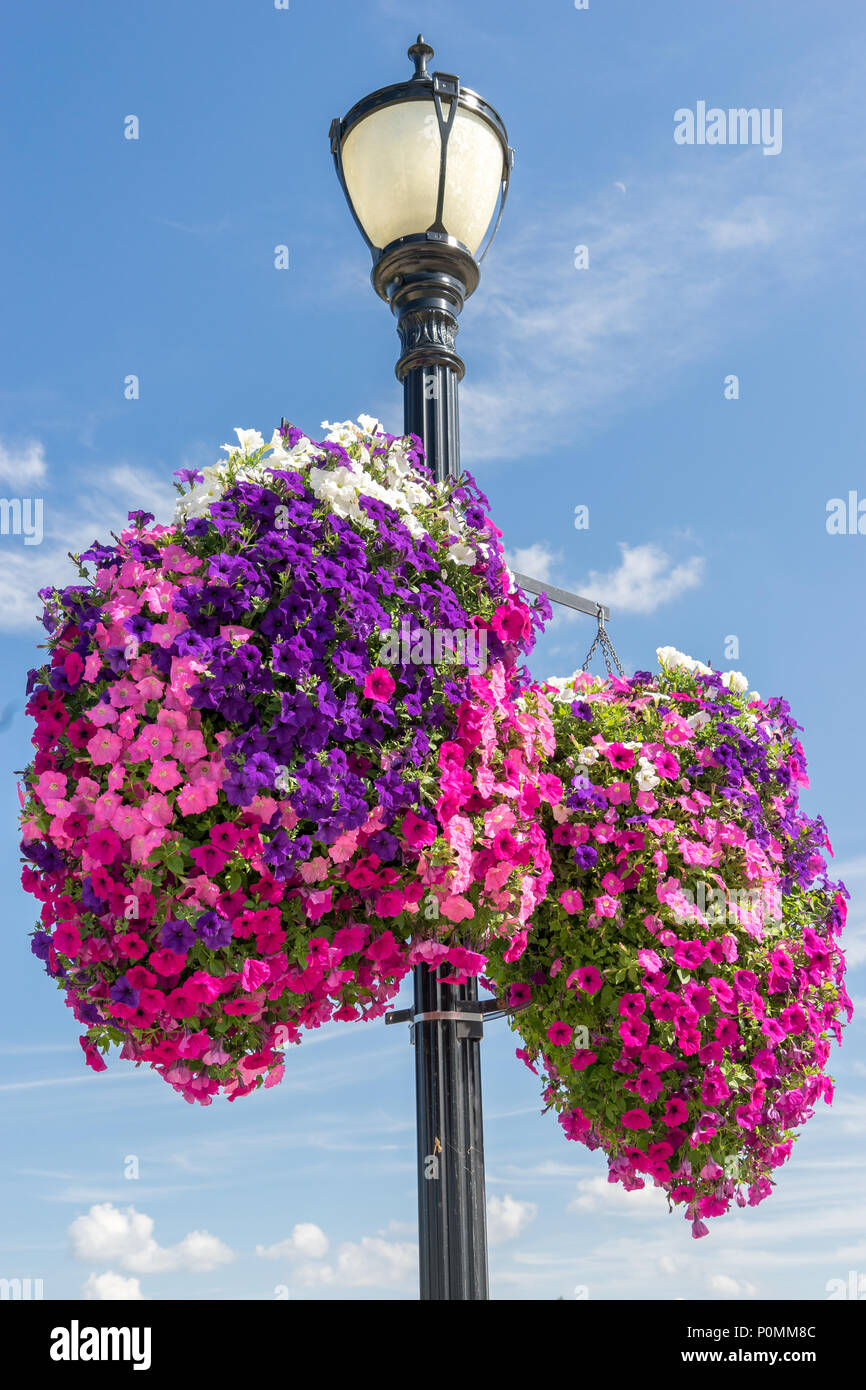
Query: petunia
point(165, 774)
point(559, 1034)
point(571, 900)
point(379, 684)
point(635, 1119)
point(587, 978)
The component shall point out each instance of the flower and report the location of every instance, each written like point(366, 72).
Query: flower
point(707, 1039)
point(244, 818)
point(587, 978)
point(635, 1119)
point(379, 685)
point(559, 1034)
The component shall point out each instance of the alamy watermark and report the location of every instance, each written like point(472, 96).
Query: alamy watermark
point(439, 646)
point(735, 126)
point(731, 905)
point(846, 518)
point(18, 1290)
point(22, 516)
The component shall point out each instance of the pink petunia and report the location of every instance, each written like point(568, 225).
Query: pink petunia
point(634, 1032)
point(518, 995)
point(587, 978)
point(635, 1119)
point(165, 775)
point(156, 809)
point(103, 846)
point(617, 793)
point(676, 1111)
point(154, 742)
point(559, 1034)
point(456, 908)
point(605, 905)
point(379, 684)
point(195, 799)
point(619, 757)
point(571, 900)
point(92, 1055)
point(67, 940)
point(51, 788)
point(417, 831)
point(104, 747)
point(189, 746)
point(129, 821)
point(254, 974)
point(649, 1085)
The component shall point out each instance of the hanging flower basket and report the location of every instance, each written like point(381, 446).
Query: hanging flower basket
point(279, 757)
point(681, 984)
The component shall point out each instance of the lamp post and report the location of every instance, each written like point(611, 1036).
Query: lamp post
point(423, 164)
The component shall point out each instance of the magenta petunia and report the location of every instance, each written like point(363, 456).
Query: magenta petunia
point(379, 684)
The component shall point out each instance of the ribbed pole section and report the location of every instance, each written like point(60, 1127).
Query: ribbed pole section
point(452, 1216)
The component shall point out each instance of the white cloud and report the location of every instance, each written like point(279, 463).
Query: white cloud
point(727, 1287)
point(110, 1286)
point(507, 1217)
point(22, 465)
point(306, 1240)
point(598, 1192)
point(645, 578)
point(371, 1262)
point(749, 225)
point(100, 506)
point(536, 561)
point(399, 1228)
point(108, 1233)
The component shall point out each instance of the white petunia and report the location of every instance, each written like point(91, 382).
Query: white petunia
point(736, 681)
point(697, 721)
point(646, 781)
point(370, 425)
point(462, 554)
point(344, 432)
point(249, 440)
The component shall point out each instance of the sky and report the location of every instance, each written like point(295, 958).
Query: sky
point(606, 386)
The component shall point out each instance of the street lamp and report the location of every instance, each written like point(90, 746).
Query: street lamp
point(423, 164)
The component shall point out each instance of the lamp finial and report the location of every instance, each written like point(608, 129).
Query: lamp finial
point(419, 53)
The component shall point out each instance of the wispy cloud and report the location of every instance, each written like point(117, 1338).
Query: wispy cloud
point(645, 578)
point(677, 271)
point(23, 464)
point(99, 505)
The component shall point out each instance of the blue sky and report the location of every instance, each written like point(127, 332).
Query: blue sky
point(602, 387)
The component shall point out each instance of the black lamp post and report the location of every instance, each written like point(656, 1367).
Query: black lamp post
point(423, 164)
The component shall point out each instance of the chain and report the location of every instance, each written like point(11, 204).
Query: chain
point(608, 651)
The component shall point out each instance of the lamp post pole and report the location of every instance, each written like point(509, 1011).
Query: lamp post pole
point(452, 1215)
point(423, 201)
point(423, 164)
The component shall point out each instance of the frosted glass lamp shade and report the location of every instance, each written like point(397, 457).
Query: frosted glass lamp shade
point(391, 164)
